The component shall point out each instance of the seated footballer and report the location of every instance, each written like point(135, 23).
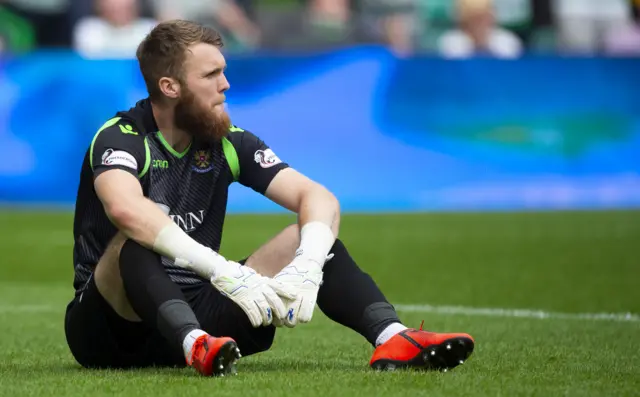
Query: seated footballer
point(151, 288)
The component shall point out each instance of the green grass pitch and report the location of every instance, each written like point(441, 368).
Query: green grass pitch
point(559, 262)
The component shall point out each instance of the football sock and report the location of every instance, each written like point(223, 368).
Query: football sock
point(350, 297)
point(189, 340)
point(389, 332)
point(156, 299)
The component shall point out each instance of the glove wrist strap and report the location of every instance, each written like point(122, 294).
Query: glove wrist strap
point(175, 244)
point(316, 240)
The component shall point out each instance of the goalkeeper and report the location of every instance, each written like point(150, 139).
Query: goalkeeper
point(151, 289)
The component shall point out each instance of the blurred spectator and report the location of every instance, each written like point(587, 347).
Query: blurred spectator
point(307, 25)
point(624, 40)
point(452, 28)
point(478, 34)
point(79, 9)
point(330, 17)
point(583, 25)
point(46, 17)
point(16, 33)
point(114, 32)
point(393, 21)
point(224, 15)
point(346, 22)
point(542, 37)
point(515, 15)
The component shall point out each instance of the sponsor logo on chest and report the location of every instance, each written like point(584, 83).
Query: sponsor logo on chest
point(188, 221)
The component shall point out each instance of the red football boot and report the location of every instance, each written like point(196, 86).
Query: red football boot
point(214, 356)
point(420, 349)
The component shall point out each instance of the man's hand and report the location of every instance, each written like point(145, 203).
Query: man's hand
point(305, 275)
point(258, 296)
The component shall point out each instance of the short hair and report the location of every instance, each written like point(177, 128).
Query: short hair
point(163, 51)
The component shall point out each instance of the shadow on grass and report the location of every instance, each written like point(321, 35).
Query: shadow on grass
point(299, 365)
point(57, 369)
point(72, 369)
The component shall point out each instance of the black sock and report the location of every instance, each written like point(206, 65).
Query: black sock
point(350, 297)
point(153, 296)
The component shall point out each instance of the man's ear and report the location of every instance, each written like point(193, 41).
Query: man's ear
point(169, 87)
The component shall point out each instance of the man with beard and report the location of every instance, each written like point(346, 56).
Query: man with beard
point(151, 289)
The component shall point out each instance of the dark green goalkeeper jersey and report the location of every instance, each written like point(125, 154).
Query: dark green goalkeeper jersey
point(191, 187)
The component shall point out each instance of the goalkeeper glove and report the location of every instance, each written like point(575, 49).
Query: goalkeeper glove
point(305, 275)
point(258, 296)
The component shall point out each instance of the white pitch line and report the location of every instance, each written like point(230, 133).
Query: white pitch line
point(428, 309)
point(517, 313)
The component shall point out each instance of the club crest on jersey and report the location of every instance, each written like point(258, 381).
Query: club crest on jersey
point(202, 161)
point(266, 158)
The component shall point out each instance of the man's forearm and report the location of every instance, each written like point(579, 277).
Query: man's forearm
point(319, 221)
point(143, 221)
point(140, 220)
point(320, 205)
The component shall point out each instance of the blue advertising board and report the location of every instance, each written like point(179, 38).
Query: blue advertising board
point(384, 134)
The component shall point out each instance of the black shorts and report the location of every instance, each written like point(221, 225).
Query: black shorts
point(99, 338)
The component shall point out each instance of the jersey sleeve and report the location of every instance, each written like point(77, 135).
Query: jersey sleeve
point(117, 145)
point(258, 162)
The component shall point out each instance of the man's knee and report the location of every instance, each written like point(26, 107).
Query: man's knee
point(265, 338)
point(342, 264)
point(339, 252)
point(260, 341)
point(131, 254)
point(338, 246)
point(250, 340)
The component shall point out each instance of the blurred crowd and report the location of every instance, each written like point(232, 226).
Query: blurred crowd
point(449, 28)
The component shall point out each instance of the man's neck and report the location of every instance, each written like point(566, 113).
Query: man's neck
point(178, 139)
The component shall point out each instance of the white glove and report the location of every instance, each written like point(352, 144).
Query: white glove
point(305, 275)
point(258, 296)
